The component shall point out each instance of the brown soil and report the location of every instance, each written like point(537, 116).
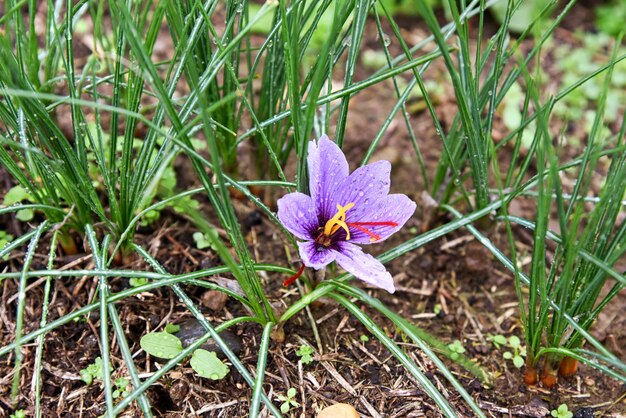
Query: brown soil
point(455, 274)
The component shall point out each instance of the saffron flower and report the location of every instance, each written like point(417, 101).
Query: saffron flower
point(342, 211)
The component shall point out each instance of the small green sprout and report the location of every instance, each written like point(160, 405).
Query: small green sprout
point(288, 401)
point(172, 328)
point(18, 194)
point(5, 238)
point(498, 340)
point(137, 281)
point(437, 309)
point(201, 241)
point(518, 353)
point(305, 353)
point(93, 371)
point(20, 413)
point(457, 349)
point(364, 338)
point(561, 412)
point(122, 388)
point(205, 240)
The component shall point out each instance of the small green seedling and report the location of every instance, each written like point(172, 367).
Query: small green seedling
point(437, 309)
point(609, 15)
point(5, 238)
point(305, 353)
point(498, 340)
point(561, 412)
point(20, 413)
point(122, 388)
point(172, 328)
point(137, 281)
point(364, 338)
point(167, 346)
point(96, 371)
point(288, 401)
point(518, 354)
point(18, 194)
point(457, 349)
point(93, 371)
point(201, 241)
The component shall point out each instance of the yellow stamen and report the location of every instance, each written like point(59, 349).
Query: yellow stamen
point(338, 221)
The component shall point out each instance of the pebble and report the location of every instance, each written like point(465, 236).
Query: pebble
point(214, 300)
point(191, 330)
point(339, 410)
point(179, 391)
point(584, 412)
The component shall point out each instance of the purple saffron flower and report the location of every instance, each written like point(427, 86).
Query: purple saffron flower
point(344, 210)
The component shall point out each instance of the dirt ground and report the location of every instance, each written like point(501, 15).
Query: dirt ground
point(455, 276)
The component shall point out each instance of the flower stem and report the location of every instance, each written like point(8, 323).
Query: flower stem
point(549, 376)
point(568, 367)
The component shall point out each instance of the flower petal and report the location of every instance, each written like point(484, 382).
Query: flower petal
point(327, 168)
point(297, 213)
point(315, 257)
point(395, 208)
point(364, 267)
point(364, 186)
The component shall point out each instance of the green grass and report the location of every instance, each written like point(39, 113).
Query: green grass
point(69, 137)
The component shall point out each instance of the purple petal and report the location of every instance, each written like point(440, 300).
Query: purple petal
point(297, 213)
point(315, 257)
point(365, 186)
point(364, 267)
point(396, 208)
point(327, 168)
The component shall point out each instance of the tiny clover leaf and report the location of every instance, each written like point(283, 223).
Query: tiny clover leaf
point(288, 401)
point(305, 353)
point(561, 412)
point(161, 344)
point(457, 348)
point(206, 364)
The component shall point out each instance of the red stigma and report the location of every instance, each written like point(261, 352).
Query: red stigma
point(361, 227)
point(294, 277)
